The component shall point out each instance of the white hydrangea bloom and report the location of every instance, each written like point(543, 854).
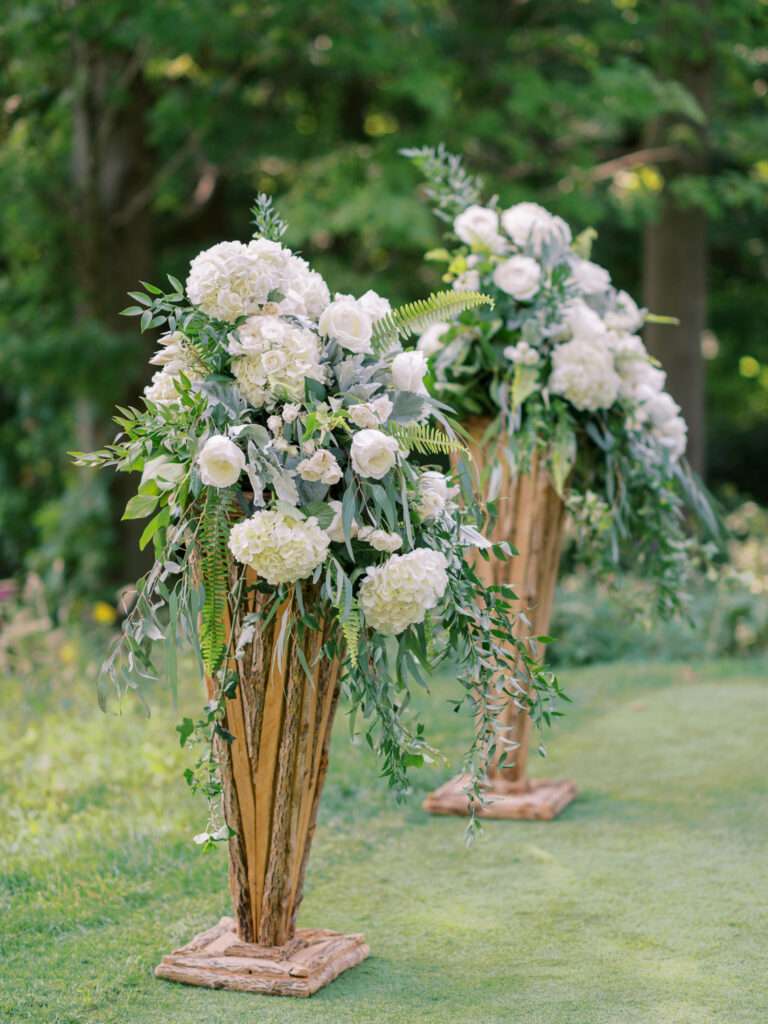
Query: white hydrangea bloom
point(582, 323)
point(399, 593)
point(590, 278)
point(531, 226)
point(279, 547)
point(583, 373)
point(273, 359)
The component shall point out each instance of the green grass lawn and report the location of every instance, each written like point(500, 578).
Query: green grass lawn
point(643, 903)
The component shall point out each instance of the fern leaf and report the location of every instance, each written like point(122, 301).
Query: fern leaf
point(214, 564)
point(350, 628)
point(425, 440)
point(417, 316)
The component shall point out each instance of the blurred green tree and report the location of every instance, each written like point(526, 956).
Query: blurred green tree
point(132, 135)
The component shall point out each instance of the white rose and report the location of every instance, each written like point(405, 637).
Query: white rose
point(477, 225)
point(291, 412)
point(590, 278)
point(408, 371)
point(321, 468)
point(275, 423)
point(531, 226)
point(371, 414)
point(221, 462)
point(519, 276)
point(380, 540)
point(433, 492)
point(373, 453)
point(335, 528)
point(374, 305)
point(347, 323)
point(430, 341)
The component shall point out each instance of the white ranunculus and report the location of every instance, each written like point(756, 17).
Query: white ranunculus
point(408, 372)
point(374, 305)
point(399, 593)
point(434, 492)
point(220, 461)
point(373, 453)
point(322, 468)
point(583, 323)
point(380, 539)
point(279, 547)
point(478, 225)
point(346, 322)
point(430, 340)
point(519, 276)
point(583, 373)
point(532, 227)
point(523, 354)
point(590, 278)
point(625, 314)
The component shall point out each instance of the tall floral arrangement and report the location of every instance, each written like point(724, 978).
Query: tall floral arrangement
point(559, 366)
point(285, 448)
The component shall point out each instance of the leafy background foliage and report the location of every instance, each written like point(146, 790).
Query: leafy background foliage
point(131, 135)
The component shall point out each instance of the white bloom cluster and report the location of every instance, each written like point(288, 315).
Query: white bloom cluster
point(321, 467)
point(234, 279)
point(399, 593)
point(583, 372)
point(279, 547)
point(371, 414)
point(273, 357)
point(162, 388)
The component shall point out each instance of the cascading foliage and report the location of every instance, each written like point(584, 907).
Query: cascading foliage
point(284, 446)
point(558, 366)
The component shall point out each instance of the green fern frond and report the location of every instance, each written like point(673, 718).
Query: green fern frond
point(350, 629)
point(416, 316)
point(214, 530)
point(425, 440)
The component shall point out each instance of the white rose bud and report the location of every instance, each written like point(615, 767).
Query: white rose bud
point(373, 453)
point(477, 225)
point(408, 370)
point(291, 412)
point(335, 529)
point(431, 340)
point(380, 540)
point(321, 468)
point(347, 323)
point(275, 424)
point(221, 462)
point(433, 494)
point(374, 305)
point(519, 276)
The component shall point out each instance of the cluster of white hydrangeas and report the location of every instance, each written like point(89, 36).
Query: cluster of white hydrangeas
point(399, 593)
point(235, 279)
point(278, 547)
point(583, 372)
point(273, 358)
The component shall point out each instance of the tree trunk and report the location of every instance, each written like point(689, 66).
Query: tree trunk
point(675, 247)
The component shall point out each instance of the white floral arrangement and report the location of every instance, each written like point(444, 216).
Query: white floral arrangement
point(287, 444)
point(559, 365)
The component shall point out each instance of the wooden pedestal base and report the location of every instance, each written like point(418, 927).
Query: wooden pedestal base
point(542, 800)
point(218, 959)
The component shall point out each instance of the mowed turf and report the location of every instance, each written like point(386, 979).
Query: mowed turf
point(643, 904)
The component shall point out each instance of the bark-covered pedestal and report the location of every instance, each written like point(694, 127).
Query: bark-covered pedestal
point(531, 517)
point(272, 775)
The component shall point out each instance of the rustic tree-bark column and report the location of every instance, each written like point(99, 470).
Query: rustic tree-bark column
point(531, 517)
point(272, 776)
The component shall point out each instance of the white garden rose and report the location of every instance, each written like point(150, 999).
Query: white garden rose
point(532, 227)
point(590, 278)
point(278, 547)
point(430, 340)
point(346, 322)
point(583, 373)
point(273, 359)
point(380, 540)
point(371, 414)
point(374, 305)
point(373, 453)
point(322, 468)
point(434, 493)
point(625, 314)
point(399, 593)
point(479, 225)
point(221, 462)
point(519, 276)
point(408, 372)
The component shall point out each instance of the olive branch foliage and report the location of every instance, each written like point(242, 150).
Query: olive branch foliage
point(195, 593)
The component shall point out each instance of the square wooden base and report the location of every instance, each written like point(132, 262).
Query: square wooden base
point(217, 958)
point(541, 801)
